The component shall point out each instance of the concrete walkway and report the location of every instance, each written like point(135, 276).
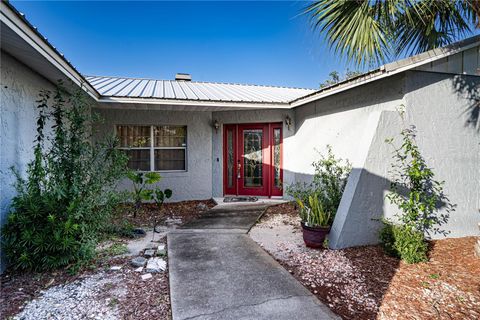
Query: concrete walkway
point(218, 272)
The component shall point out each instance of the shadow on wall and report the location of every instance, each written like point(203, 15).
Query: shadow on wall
point(363, 205)
point(469, 87)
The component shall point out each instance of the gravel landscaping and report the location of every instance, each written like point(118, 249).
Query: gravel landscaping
point(364, 283)
point(113, 286)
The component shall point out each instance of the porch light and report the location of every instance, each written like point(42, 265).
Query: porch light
point(288, 121)
point(216, 125)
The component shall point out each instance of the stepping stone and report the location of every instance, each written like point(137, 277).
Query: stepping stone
point(161, 250)
point(146, 276)
point(138, 262)
point(149, 253)
point(155, 265)
point(139, 269)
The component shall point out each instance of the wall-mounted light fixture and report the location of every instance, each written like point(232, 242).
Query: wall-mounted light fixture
point(216, 125)
point(288, 121)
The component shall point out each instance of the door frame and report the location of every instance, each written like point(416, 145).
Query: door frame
point(269, 189)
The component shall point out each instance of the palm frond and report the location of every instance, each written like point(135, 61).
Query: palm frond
point(374, 31)
point(354, 28)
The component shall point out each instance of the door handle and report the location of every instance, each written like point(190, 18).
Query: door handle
point(239, 169)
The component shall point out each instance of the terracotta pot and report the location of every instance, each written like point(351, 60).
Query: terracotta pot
point(314, 236)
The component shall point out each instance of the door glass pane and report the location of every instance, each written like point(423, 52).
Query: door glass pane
point(276, 157)
point(230, 160)
point(252, 158)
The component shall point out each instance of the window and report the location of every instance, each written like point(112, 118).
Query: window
point(154, 148)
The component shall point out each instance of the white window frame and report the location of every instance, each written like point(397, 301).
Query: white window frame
point(152, 148)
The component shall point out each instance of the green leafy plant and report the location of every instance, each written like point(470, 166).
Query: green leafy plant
point(115, 249)
point(419, 197)
point(414, 189)
point(404, 242)
point(330, 179)
point(313, 214)
point(159, 196)
point(319, 200)
point(68, 195)
point(141, 181)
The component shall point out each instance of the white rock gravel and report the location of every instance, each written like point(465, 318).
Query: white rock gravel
point(90, 298)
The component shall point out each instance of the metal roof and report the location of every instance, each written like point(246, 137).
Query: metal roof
point(193, 90)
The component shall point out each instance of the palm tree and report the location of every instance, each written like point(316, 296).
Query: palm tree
point(371, 32)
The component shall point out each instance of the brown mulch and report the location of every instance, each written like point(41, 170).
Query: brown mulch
point(365, 283)
point(289, 209)
point(185, 210)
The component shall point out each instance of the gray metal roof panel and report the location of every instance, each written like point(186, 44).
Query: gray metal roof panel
point(191, 90)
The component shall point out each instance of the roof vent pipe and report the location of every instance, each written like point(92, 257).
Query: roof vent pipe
point(183, 77)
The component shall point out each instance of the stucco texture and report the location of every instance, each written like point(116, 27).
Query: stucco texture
point(447, 138)
point(18, 111)
point(196, 181)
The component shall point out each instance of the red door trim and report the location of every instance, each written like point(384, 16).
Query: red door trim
point(276, 191)
point(226, 190)
point(267, 149)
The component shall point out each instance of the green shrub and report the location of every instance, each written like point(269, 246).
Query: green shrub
point(404, 242)
point(418, 196)
point(312, 212)
point(320, 199)
point(66, 199)
point(141, 181)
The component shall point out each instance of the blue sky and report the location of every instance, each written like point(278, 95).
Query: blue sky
point(268, 43)
point(241, 42)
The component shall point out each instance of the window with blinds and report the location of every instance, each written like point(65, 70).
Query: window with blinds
point(154, 148)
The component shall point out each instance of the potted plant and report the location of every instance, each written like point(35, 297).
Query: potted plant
point(315, 221)
point(319, 200)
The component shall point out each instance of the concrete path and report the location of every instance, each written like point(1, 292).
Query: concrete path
point(218, 272)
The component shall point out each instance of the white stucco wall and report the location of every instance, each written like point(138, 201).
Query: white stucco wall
point(18, 115)
point(251, 116)
point(196, 182)
point(449, 137)
point(340, 121)
point(450, 145)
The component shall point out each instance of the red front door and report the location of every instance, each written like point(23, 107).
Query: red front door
point(253, 159)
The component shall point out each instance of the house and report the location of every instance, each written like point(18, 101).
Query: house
point(215, 139)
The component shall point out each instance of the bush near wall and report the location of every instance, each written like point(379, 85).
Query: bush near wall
point(67, 197)
point(418, 197)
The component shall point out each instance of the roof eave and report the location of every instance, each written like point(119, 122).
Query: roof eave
point(390, 69)
point(202, 103)
point(14, 20)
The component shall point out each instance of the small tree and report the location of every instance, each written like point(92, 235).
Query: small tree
point(335, 77)
point(419, 196)
point(141, 192)
point(331, 174)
